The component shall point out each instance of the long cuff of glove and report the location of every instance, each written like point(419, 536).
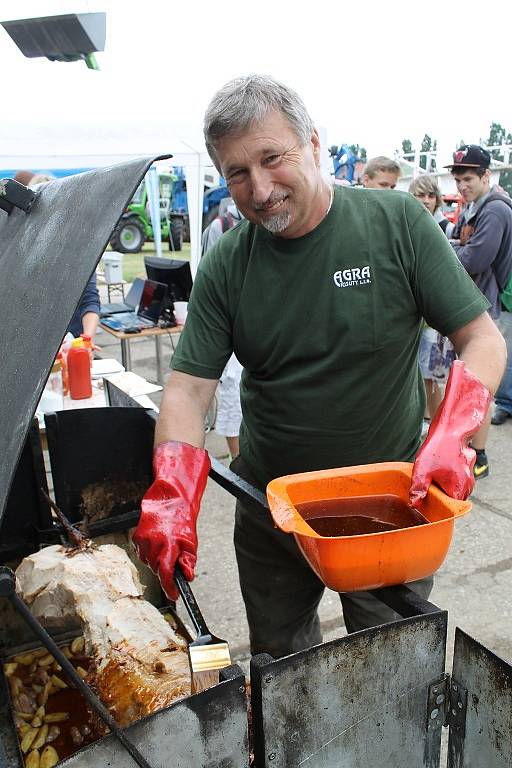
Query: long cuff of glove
point(184, 469)
point(445, 456)
point(465, 403)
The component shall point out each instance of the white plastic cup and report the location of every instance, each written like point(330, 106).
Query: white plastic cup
point(180, 311)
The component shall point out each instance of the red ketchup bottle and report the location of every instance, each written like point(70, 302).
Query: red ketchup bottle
point(79, 371)
point(87, 344)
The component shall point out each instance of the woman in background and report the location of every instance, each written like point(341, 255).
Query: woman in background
point(436, 353)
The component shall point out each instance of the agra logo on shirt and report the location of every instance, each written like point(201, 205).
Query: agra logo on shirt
point(346, 278)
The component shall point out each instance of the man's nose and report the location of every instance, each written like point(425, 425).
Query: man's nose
point(261, 186)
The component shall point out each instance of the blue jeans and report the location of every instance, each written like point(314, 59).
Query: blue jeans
point(503, 397)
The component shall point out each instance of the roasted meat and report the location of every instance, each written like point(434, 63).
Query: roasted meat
point(139, 663)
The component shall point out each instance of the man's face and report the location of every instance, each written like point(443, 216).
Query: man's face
point(428, 199)
point(470, 185)
point(381, 180)
point(274, 181)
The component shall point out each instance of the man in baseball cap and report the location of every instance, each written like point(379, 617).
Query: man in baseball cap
point(483, 243)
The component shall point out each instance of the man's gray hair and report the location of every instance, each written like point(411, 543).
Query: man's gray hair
point(247, 100)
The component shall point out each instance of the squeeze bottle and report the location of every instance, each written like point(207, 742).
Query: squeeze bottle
point(87, 344)
point(79, 371)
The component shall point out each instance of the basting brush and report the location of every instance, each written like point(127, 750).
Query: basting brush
point(207, 654)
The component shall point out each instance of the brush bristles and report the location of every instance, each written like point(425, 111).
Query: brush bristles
point(201, 681)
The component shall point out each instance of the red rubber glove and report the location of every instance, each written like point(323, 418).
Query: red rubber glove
point(166, 532)
point(445, 457)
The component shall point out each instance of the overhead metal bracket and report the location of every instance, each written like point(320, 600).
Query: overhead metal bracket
point(15, 195)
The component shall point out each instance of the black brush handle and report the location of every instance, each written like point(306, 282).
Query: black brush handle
point(190, 602)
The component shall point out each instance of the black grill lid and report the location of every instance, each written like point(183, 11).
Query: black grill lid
point(46, 259)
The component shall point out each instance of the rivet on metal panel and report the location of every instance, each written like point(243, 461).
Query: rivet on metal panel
point(268, 679)
point(272, 756)
point(241, 689)
point(460, 704)
point(436, 703)
point(454, 687)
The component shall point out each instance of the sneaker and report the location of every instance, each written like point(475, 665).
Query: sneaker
point(500, 416)
point(481, 468)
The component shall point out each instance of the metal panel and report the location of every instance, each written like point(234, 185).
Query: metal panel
point(27, 511)
point(205, 731)
point(101, 460)
point(46, 258)
point(484, 736)
point(358, 701)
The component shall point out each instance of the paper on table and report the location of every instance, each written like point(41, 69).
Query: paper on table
point(101, 367)
point(132, 384)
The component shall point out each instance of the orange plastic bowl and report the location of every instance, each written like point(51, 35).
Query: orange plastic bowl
point(366, 561)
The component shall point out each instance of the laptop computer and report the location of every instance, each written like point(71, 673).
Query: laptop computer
point(132, 300)
point(152, 301)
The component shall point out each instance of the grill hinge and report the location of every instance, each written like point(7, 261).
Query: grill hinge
point(438, 700)
point(447, 704)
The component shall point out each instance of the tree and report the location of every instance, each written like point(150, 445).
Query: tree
point(407, 147)
point(427, 145)
point(497, 136)
point(358, 151)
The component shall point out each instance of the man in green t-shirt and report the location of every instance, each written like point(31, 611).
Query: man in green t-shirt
point(321, 294)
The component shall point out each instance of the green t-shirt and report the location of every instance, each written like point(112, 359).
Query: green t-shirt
point(327, 327)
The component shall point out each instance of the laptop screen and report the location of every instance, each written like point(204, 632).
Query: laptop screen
point(134, 294)
point(152, 300)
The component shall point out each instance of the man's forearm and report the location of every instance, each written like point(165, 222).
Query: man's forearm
point(488, 367)
point(90, 323)
point(484, 353)
point(183, 410)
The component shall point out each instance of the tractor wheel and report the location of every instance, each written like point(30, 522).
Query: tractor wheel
point(175, 234)
point(128, 236)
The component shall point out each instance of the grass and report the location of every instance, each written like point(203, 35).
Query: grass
point(133, 263)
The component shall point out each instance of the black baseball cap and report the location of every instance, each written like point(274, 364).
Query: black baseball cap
point(470, 156)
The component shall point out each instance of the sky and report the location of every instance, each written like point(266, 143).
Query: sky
point(370, 73)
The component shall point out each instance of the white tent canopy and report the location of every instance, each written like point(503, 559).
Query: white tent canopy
point(69, 144)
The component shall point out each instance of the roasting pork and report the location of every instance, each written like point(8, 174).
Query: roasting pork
point(140, 663)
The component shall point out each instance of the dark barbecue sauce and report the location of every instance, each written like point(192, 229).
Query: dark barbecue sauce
point(359, 515)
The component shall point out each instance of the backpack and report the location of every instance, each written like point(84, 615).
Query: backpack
point(226, 222)
point(506, 295)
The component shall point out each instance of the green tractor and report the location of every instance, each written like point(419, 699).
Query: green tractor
point(134, 227)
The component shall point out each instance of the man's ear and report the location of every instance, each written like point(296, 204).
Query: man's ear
point(315, 143)
point(487, 174)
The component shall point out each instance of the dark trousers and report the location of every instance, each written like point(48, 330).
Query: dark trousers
point(281, 592)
